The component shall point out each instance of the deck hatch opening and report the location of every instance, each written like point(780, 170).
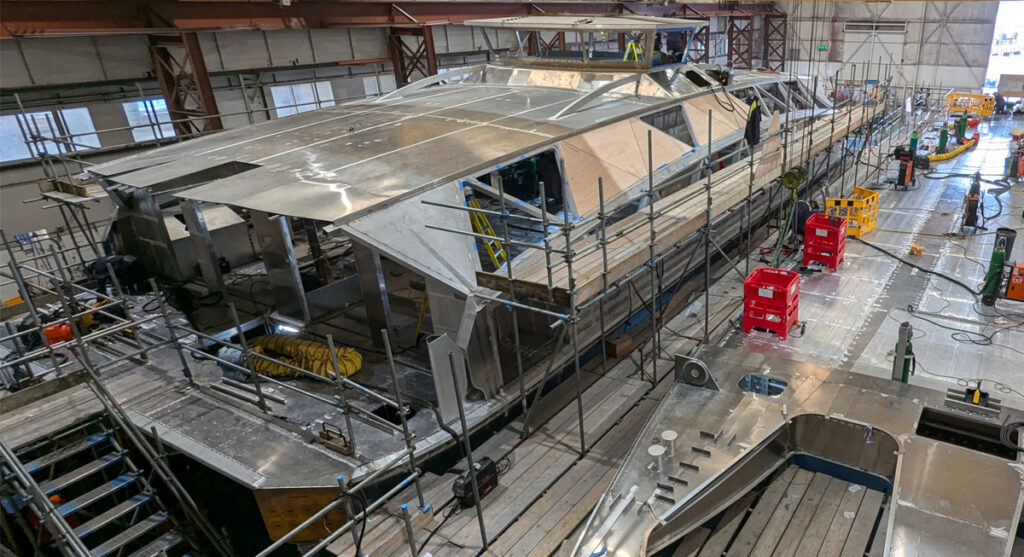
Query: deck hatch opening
point(390, 414)
point(761, 384)
point(965, 431)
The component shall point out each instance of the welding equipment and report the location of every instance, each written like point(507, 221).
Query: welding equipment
point(486, 474)
point(1015, 286)
point(993, 287)
point(904, 363)
point(972, 203)
point(1015, 163)
point(905, 155)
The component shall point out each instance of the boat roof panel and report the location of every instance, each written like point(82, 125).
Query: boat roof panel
point(338, 163)
point(622, 23)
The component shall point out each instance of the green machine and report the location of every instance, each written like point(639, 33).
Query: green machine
point(994, 287)
point(904, 363)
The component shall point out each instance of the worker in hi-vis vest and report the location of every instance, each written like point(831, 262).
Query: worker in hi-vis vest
point(753, 132)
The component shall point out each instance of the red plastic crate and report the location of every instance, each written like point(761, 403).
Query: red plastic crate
point(770, 300)
point(778, 323)
point(771, 288)
point(820, 226)
point(825, 240)
point(832, 258)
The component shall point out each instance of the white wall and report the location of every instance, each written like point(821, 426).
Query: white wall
point(100, 73)
point(946, 43)
point(38, 62)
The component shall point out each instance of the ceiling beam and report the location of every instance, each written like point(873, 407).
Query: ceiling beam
point(48, 18)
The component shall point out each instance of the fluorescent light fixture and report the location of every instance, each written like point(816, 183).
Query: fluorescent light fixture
point(283, 328)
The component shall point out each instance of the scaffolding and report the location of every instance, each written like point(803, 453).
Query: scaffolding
point(808, 143)
point(661, 273)
point(48, 275)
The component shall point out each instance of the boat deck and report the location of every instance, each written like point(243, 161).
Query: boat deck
point(798, 514)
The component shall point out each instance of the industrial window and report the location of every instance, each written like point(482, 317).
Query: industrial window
point(73, 127)
point(149, 119)
point(301, 97)
point(379, 84)
point(12, 142)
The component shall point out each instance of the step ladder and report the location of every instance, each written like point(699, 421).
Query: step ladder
point(483, 226)
point(92, 497)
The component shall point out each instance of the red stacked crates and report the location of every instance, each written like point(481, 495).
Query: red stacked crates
point(770, 300)
point(825, 240)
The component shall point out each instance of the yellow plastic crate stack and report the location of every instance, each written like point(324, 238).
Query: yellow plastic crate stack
point(860, 210)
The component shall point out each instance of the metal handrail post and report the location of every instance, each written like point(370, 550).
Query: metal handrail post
point(408, 529)
point(603, 232)
point(512, 293)
point(170, 330)
point(246, 359)
point(547, 242)
point(651, 264)
point(346, 496)
point(402, 411)
point(23, 290)
point(707, 244)
point(469, 451)
point(126, 309)
point(361, 516)
point(573, 316)
point(341, 392)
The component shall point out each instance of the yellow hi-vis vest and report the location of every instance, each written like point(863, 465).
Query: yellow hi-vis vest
point(753, 106)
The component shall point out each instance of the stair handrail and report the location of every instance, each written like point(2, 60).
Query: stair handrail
point(43, 507)
point(120, 417)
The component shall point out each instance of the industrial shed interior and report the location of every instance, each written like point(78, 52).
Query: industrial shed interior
point(576, 278)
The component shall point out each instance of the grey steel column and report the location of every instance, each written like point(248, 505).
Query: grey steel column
point(323, 270)
point(203, 245)
point(275, 242)
point(374, 289)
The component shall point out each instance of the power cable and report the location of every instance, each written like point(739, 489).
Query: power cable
point(454, 510)
point(918, 267)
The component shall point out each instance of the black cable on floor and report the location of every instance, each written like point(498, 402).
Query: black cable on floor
point(963, 335)
point(454, 510)
point(918, 267)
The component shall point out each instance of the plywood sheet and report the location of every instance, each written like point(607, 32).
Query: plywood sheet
point(723, 120)
point(616, 153)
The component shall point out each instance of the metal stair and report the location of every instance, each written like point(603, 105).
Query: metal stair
point(97, 500)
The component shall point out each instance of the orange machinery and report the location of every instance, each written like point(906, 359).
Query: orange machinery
point(1015, 288)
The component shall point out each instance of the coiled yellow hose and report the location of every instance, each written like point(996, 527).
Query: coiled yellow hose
point(309, 355)
point(946, 156)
